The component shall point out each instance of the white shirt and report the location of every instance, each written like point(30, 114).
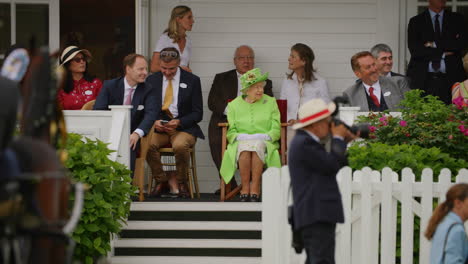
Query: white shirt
point(175, 92)
point(290, 91)
point(127, 88)
point(442, 61)
point(166, 42)
point(239, 87)
point(389, 74)
point(377, 89)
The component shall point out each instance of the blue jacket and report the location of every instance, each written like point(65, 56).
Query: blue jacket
point(189, 101)
point(313, 177)
point(143, 113)
point(456, 249)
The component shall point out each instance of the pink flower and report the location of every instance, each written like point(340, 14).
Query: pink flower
point(462, 128)
point(372, 129)
point(384, 123)
point(466, 132)
point(458, 102)
point(450, 137)
point(407, 134)
point(383, 119)
point(403, 123)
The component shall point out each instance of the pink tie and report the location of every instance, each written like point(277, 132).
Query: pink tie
point(373, 97)
point(128, 99)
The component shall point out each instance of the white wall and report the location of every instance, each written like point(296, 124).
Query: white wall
point(334, 29)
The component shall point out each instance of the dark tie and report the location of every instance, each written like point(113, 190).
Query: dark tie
point(436, 63)
point(373, 97)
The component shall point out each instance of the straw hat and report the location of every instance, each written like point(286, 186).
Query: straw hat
point(71, 51)
point(313, 111)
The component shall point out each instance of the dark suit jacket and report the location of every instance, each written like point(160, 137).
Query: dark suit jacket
point(395, 87)
point(313, 178)
point(143, 113)
point(454, 39)
point(224, 87)
point(189, 104)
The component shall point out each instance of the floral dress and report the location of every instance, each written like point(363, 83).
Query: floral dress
point(83, 92)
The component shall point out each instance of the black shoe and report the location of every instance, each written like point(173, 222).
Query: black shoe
point(244, 197)
point(254, 198)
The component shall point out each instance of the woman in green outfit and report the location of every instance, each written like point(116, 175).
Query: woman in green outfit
point(253, 134)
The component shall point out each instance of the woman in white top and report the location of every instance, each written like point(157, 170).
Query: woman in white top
point(175, 36)
point(302, 84)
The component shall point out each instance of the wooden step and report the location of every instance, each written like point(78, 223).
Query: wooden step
point(184, 260)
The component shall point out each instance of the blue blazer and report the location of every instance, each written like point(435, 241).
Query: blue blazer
point(313, 179)
point(189, 104)
point(143, 113)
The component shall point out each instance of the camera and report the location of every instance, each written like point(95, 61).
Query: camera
point(163, 122)
point(362, 129)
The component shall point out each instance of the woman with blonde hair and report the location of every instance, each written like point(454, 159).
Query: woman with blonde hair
point(175, 36)
point(460, 89)
point(446, 229)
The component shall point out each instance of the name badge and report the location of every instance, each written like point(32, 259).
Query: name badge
point(387, 94)
point(183, 85)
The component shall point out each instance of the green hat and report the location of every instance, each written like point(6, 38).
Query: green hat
point(252, 77)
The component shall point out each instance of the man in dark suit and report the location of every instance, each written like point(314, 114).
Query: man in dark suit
point(317, 200)
point(131, 89)
point(180, 104)
point(383, 55)
point(371, 92)
point(226, 86)
point(436, 39)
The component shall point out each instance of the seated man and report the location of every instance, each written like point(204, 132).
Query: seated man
point(371, 92)
point(131, 89)
point(384, 60)
point(227, 86)
point(180, 109)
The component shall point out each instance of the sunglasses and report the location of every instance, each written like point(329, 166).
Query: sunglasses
point(169, 53)
point(78, 60)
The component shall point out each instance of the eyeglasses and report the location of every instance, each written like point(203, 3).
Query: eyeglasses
point(78, 60)
point(169, 53)
point(245, 57)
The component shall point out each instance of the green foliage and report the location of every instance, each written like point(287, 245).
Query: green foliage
point(379, 155)
point(425, 122)
point(107, 202)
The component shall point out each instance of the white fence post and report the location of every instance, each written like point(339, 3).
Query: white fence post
point(426, 212)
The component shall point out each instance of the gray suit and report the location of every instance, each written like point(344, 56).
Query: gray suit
point(393, 90)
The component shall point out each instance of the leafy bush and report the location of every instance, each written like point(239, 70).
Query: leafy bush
point(107, 202)
point(425, 122)
point(380, 155)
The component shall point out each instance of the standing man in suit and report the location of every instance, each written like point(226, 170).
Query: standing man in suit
point(384, 60)
point(131, 89)
point(317, 203)
point(371, 92)
point(180, 109)
point(436, 39)
point(226, 86)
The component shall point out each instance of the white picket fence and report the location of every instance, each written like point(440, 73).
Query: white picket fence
point(370, 200)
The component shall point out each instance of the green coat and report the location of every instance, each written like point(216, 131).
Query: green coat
point(261, 117)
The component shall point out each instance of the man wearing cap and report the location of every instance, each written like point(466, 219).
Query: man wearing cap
point(317, 200)
point(227, 86)
point(371, 92)
point(131, 89)
point(180, 109)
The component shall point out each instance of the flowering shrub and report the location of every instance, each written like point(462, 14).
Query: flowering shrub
point(425, 122)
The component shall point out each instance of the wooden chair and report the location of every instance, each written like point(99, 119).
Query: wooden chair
point(226, 192)
point(166, 151)
point(89, 105)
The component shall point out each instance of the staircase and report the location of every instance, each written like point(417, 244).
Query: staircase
point(190, 232)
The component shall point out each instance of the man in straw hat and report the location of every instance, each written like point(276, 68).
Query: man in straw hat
point(317, 200)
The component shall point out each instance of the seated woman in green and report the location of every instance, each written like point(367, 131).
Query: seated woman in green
point(253, 134)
